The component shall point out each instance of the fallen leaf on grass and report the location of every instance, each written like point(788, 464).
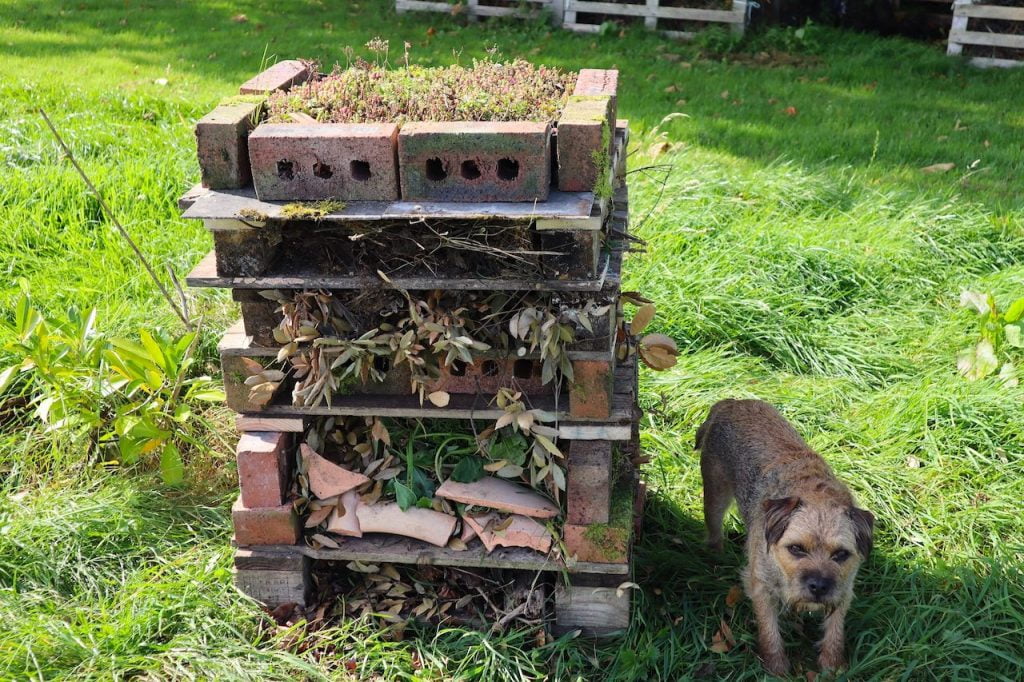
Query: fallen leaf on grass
point(790, 111)
point(734, 597)
point(723, 642)
point(621, 589)
point(938, 168)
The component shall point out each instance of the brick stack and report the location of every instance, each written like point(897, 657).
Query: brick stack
point(559, 186)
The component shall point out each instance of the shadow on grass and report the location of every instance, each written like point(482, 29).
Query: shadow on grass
point(907, 621)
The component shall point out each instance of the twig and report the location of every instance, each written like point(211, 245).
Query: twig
point(181, 312)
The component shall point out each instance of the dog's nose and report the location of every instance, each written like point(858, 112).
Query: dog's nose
point(818, 585)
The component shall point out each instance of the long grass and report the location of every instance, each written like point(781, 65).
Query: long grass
point(796, 251)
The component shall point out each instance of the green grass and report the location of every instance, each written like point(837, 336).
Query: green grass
point(804, 259)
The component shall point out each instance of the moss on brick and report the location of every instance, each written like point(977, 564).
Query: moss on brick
point(612, 538)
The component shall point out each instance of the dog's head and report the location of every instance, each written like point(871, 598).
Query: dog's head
point(818, 548)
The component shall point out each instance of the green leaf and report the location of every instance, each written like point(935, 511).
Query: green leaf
point(1012, 332)
point(404, 495)
point(172, 470)
point(470, 469)
point(7, 376)
point(512, 449)
point(1015, 311)
point(421, 483)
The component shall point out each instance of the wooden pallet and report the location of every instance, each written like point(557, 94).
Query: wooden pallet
point(655, 14)
point(476, 9)
point(961, 35)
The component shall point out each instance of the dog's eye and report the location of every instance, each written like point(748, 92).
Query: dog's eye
point(840, 556)
point(797, 550)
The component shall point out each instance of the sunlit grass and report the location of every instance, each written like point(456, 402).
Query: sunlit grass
point(803, 259)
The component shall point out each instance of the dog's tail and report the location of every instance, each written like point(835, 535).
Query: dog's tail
point(702, 430)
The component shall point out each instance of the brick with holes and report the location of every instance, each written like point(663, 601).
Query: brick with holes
point(319, 161)
point(475, 161)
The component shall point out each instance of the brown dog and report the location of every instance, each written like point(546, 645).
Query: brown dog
point(805, 537)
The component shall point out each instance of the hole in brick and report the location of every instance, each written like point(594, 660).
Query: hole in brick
point(360, 170)
point(322, 170)
point(470, 170)
point(457, 369)
point(489, 368)
point(523, 369)
point(381, 364)
point(435, 170)
point(508, 169)
point(286, 170)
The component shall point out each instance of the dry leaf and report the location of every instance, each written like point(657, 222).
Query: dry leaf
point(723, 641)
point(318, 517)
point(620, 591)
point(325, 541)
point(439, 398)
point(360, 567)
point(457, 545)
point(938, 168)
point(643, 317)
point(734, 597)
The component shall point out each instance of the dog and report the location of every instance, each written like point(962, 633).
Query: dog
point(805, 536)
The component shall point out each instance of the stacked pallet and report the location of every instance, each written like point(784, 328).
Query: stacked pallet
point(459, 273)
point(673, 18)
point(990, 35)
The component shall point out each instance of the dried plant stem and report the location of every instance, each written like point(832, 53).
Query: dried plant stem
point(182, 312)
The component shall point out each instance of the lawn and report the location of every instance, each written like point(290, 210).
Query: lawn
point(796, 251)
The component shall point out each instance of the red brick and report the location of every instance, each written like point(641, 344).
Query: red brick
point(309, 162)
point(599, 82)
point(584, 133)
point(590, 392)
point(489, 375)
point(222, 144)
point(280, 76)
point(265, 525)
point(475, 161)
point(263, 469)
point(600, 544)
point(588, 489)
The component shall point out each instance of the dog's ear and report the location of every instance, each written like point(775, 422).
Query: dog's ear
point(776, 517)
point(863, 529)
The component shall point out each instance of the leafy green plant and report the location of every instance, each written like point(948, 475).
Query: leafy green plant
point(107, 391)
point(999, 332)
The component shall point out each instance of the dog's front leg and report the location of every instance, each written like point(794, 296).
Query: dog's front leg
point(769, 639)
point(833, 642)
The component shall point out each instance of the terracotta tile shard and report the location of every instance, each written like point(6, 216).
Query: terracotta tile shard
point(280, 76)
point(468, 532)
point(500, 494)
point(522, 531)
point(327, 479)
point(344, 520)
point(421, 524)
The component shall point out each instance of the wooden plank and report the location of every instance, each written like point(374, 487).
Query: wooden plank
point(422, 6)
point(274, 588)
point(257, 423)
point(986, 39)
point(652, 12)
point(988, 62)
point(205, 275)
point(595, 611)
point(373, 548)
point(959, 24)
point(990, 12)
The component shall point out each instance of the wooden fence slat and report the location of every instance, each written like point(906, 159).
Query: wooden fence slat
point(987, 39)
point(991, 12)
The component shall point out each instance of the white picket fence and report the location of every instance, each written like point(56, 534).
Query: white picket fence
point(588, 16)
point(960, 35)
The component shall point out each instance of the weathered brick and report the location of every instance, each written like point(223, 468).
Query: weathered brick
point(599, 82)
point(222, 144)
point(474, 161)
point(263, 468)
point(597, 543)
point(590, 394)
point(584, 142)
point(308, 162)
point(264, 525)
point(280, 76)
point(588, 489)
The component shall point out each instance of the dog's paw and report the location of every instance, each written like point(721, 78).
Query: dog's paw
point(831, 660)
point(776, 664)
